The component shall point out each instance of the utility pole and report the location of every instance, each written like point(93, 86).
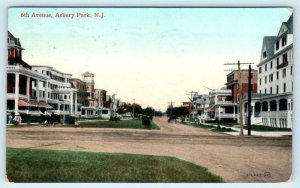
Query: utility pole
point(240, 92)
point(133, 107)
point(191, 93)
point(171, 105)
point(249, 100)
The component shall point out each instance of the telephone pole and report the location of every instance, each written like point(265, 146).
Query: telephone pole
point(171, 105)
point(240, 92)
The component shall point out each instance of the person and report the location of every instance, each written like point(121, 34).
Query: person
point(76, 123)
point(10, 118)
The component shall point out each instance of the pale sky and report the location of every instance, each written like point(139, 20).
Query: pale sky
point(152, 55)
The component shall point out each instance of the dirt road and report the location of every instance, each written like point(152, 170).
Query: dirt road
point(234, 158)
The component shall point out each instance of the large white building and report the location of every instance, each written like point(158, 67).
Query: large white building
point(272, 105)
point(56, 90)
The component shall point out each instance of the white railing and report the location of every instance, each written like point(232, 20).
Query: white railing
point(11, 68)
point(226, 115)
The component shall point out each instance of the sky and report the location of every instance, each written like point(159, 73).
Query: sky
point(152, 55)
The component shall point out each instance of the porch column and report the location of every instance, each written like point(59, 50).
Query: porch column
point(234, 113)
point(76, 104)
point(37, 90)
point(71, 100)
point(289, 114)
point(46, 91)
point(277, 113)
point(28, 88)
point(17, 80)
point(219, 112)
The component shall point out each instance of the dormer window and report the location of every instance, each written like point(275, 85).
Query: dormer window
point(284, 40)
point(264, 54)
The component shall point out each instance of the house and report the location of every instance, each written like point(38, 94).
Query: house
point(221, 105)
point(273, 103)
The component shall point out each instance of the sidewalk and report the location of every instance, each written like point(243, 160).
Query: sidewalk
point(255, 133)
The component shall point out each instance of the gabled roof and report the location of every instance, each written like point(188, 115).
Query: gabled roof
point(288, 25)
point(269, 42)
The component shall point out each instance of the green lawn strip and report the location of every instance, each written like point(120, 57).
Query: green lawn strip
point(134, 123)
point(200, 125)
point(266, 128)
point(27, 165)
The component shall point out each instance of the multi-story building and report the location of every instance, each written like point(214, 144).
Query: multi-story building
point(81, 93)
point(273, 102)
point(57, 90)
point(21, 98)
point(233, 79)
point(221, 105)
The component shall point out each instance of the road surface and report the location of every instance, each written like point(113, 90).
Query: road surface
point(234, 158)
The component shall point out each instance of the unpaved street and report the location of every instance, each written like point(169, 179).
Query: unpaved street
point(234, 158)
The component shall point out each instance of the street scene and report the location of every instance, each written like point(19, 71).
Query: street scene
point(131, 95)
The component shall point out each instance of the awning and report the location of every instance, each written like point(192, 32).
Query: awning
point(34, 104)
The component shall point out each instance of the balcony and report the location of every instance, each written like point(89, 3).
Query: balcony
point(26, 71)
point(284, 64)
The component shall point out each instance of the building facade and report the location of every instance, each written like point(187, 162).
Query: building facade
point(273, 103)
point(21, 98)
point(57, 91)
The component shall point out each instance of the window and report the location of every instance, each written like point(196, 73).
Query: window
point(284, 58)
point(266, 67)
point(277, 61)
point(260, 81)
point(283, 73)
point(277, 89)
point(271, 78)
point(271, 65)
point(265, 91)
point(277, 45)
point(284, 88)
point(291, 70)
point(259, 69)
point(264, 54)
point(265, 79)
point(270, 90)
point(283, 40)
point(260, 91)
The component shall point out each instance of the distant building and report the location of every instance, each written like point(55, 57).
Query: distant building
point(82, 94)
point(273, 103)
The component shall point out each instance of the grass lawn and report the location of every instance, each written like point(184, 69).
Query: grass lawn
point(266, 128)
point(133, 123)
point(27, 165)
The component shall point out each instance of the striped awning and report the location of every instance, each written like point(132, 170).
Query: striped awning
point(34, 104)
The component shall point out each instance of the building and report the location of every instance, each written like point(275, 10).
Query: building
point(221, 104)
point(57, 91)
point(273, 102)
point(82, 94)
point(233, 79)
point(21, 97)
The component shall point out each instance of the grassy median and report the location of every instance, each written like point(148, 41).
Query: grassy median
point(132, 123)
point(27, 165)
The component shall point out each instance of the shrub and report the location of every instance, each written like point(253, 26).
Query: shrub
point(146, 121)
point(26, 118)
point(114, 118)
point(69, 119)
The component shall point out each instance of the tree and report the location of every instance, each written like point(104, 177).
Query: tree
point(177, 111)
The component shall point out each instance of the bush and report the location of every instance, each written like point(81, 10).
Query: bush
point(69, 119)
point(114, 118)
point(146, 121)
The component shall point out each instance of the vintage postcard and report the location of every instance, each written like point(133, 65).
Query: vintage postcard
point(159, 95)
